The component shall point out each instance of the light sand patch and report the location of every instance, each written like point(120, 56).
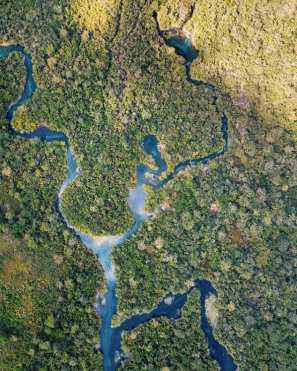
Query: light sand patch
point(211, 310)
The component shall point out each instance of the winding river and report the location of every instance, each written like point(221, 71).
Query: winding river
point(106, 306)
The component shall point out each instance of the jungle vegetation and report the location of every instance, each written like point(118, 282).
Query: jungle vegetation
point(106, 79)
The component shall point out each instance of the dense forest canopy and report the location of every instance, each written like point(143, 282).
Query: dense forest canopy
point(106, 79)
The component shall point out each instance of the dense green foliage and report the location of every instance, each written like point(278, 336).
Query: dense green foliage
point(106, 79)
point(106, 107)
point(247, 48)
point(48, 279)
point(234, 223)
point(12, 80)
point(170, 345)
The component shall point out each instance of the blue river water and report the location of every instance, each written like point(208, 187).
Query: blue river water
point(101, 246)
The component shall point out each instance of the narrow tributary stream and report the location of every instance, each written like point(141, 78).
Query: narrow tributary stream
point(106, 306)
